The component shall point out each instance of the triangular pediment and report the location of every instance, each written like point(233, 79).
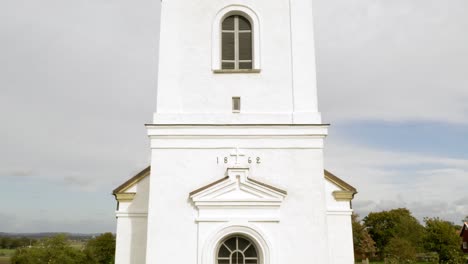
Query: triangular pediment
point(237, 189)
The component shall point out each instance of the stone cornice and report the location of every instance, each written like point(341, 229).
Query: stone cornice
point(124, 197)
point(344, 195)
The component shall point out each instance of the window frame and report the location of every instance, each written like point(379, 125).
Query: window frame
point(216, 57)
point(237, 31)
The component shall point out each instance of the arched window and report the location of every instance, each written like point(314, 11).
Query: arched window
point(237, 250)
point(236, 44)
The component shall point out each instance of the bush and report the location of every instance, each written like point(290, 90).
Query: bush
point(101, 250)
point(441, 237)
point(399, 250)
point(54, 250)
point(428, 257)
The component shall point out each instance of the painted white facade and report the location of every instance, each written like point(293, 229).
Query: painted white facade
point(257, 173)
point(132, 222)
point(250, 209)
point(283, 92)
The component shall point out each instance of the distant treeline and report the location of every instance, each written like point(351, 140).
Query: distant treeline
point(72, 236)
point(14, 243)
point(19, 240)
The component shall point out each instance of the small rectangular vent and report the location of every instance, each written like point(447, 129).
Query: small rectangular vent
point(236, 104)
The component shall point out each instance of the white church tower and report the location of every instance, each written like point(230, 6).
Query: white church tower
point(236, 173)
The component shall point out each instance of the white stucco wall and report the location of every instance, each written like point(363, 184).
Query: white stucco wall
point(194, 233)
point(185, 159)
point(340, 232)
point(132, 226)
point(190, 92)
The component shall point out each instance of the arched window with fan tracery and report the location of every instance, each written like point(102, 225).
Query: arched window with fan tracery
point(237, 250)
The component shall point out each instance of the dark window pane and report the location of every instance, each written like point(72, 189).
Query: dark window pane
point(245, 46)
point(244, 24)
point(251, 252)
point(245, 65)
point(227, 66)
point(223, 252)
point(243, 243)
point(236, 107)
point(224, 261)
point(250, 261)
point(228, 23)
point(228, 46)
point(231, 243)
point(237, 258)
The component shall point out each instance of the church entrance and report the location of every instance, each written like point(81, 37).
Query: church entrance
point(237, 250)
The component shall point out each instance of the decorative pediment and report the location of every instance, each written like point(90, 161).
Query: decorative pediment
point(237, 189)
point(238, 194)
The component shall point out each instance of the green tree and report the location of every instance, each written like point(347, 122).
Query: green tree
point(442, 237)
point(6, 242)
point(364, 245)
point(385, 225)
point(101, 250)
point(399, 250)
point(54, 250)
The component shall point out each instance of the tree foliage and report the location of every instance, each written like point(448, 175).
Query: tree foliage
point(57, 250)
point(364, 245)
point(400, 250)
point(101, 250)
point(54, 250)
point(385, 225)
point(442, 237)
point(15, 242)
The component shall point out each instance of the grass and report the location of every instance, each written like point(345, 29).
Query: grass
point(4, 260)
point(77, 244)
point(6, 252)
point(5, 255)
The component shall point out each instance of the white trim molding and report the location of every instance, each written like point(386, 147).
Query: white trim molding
point(216, 35)
point(120, 214)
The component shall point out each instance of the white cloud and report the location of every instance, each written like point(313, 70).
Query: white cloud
point(428, 185)
point(392, 60)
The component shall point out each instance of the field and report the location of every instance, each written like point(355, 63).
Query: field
point(5, 255)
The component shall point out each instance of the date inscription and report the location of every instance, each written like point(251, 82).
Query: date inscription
point(226, 160)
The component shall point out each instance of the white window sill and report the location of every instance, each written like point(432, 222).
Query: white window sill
point(238, 71)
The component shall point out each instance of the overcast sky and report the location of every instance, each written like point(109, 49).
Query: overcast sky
point(78, 81)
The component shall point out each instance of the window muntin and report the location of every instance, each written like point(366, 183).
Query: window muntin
point(236, 43)
point(237, 250)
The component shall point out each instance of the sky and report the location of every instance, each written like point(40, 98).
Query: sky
point(78, 83)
